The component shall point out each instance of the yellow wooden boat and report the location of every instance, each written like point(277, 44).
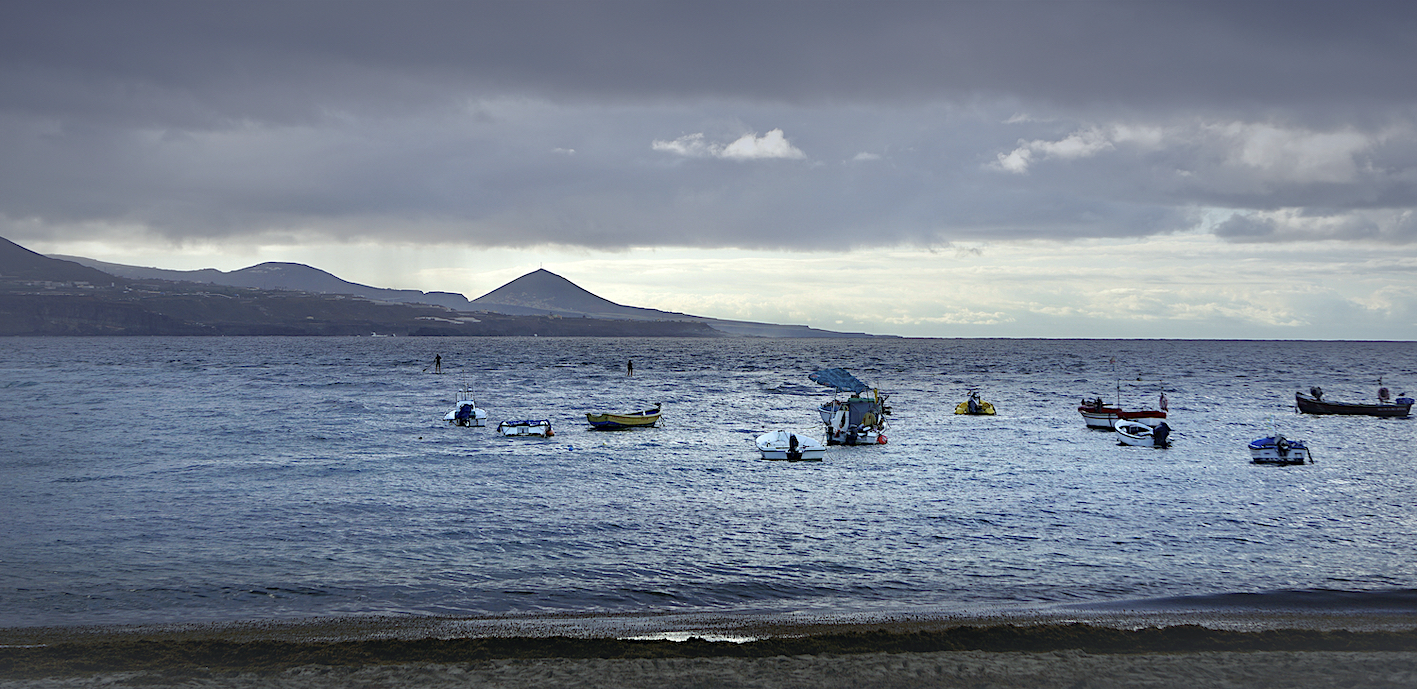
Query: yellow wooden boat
point(616, 422)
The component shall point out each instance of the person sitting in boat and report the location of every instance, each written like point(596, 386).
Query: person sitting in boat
point(1317, 392)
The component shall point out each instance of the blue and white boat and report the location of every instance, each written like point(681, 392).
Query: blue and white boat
point(534, 428)
point(1277, 449)
point(466, 412)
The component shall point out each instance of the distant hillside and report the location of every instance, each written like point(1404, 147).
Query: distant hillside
point(542, 292)
point(19, 262)
point(286, 276)
point(538, 293)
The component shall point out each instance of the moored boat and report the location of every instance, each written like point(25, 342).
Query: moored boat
point(1314, 403)
point(1277, 449)
point(466, 412)
point(538, 428)
point(603, 421)
point(1098, 414)
point(1141, 435)
point(975, 406)
point(788, 446)
point(857, 420)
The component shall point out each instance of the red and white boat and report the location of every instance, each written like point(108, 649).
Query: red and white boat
point(1101, 416)
point(1098, 414)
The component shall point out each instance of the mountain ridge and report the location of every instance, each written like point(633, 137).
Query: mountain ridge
point(19, 262)
point(538, 293)
point(544, 293)
point(277, 275)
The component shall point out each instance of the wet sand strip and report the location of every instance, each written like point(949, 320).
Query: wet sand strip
point(161, 655)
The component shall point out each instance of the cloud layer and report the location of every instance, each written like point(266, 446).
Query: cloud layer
point(813, 127)
point(565, 122)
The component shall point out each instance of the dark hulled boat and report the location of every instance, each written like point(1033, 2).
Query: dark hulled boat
point(1314, 403)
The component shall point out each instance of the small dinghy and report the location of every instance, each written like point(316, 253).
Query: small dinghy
point(466, 412)
point(784, 445)
point(1141, 435)
point(974, 406)
point(1277, 449)
point(527, 428)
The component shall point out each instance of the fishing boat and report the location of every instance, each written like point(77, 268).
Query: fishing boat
point(1098, 414)
point(603, 421)
point(1276, 449)
point(784, 445)
point(527, 428)
point(466, 412)
point(860, 419)
point(1314, 403)
point(1139, 434)
point(975, 406)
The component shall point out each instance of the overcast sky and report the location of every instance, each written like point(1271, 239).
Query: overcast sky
point(1236, 169)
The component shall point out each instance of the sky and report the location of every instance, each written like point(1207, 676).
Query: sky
point(1239, 169)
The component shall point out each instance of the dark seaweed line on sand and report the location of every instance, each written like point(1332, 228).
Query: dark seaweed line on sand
point(216, 656)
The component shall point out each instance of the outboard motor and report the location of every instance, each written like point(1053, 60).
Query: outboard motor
point(464, 415)
point(792, 451)
point(1160, 434)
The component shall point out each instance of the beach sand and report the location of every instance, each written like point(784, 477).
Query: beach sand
point(975, 669)
point(633, 652)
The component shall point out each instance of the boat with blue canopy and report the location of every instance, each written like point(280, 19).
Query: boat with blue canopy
point(860, 419)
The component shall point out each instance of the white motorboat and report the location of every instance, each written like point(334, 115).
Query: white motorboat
point(536, 428)
point(1141, 435)
point(857, 420)
point(785, 445)
point(466, 412)
point(1277, 449)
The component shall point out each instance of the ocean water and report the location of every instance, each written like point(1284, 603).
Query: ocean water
point(193, 480)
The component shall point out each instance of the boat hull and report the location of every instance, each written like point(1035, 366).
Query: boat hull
point(853, 436)
point(526, 429)
point(1136, 434)
point(780, 445)
point(1311, 405)
point(985, 409)
point(1107, 417)
point(1279, 451)
point(467, 414)
point(620, 422)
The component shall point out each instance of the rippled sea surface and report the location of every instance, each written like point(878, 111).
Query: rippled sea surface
point(160, 480)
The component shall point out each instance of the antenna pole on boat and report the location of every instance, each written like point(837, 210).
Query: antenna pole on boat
point(1118, 381)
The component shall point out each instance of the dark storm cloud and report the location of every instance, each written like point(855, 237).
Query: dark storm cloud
point(809, 125)
point(273, 59)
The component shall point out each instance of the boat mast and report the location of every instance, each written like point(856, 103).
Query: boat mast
point(1119, 383)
